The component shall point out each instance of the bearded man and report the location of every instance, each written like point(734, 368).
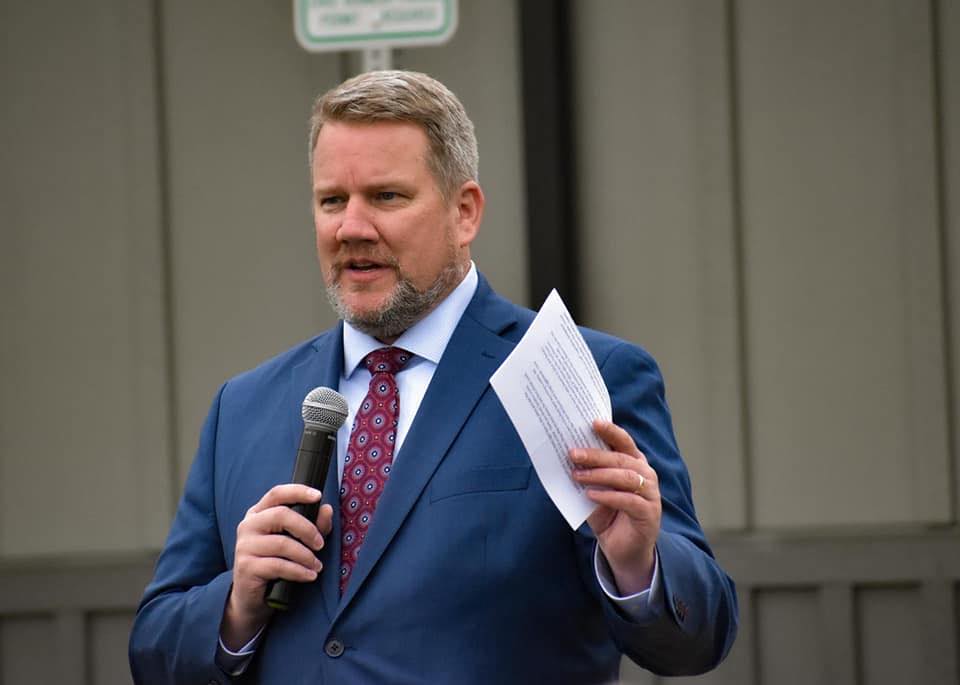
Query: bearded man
point(437, 556)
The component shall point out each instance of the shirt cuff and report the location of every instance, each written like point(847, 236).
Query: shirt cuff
point(638, 607)
point(235, 663)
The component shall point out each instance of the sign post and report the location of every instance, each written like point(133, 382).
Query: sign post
point(372, 26)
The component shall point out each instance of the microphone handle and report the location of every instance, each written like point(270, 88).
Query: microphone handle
point(317, 447)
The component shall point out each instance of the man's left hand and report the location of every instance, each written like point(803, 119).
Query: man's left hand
point(627, 521)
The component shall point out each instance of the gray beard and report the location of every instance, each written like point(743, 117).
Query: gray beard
point(403, 308)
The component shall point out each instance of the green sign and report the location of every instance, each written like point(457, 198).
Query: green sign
point(327, 25)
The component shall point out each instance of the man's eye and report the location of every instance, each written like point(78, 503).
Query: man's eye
point(329, 201)
point(386, 195)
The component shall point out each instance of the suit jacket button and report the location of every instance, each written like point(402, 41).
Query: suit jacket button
point(333, 648)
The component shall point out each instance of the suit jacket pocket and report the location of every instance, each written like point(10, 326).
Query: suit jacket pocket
point(480, 479)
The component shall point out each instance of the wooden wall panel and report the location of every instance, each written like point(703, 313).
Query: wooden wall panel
point(891, 637)
point(107, 637)
point(813, 600)
point(841, 263)
point(790, 652)
point(948, 60)
point(652, 112)
point(940, 631)
point(25, 651)
point(84, 403)
point(838, 632)
point(65, 648)
point(952, 642)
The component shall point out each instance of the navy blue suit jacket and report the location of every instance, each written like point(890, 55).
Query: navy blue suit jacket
point(468, 572)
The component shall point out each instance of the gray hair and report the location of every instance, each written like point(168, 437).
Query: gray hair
point(407, 96)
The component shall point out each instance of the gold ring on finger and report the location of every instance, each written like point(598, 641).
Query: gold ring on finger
point(640, 484)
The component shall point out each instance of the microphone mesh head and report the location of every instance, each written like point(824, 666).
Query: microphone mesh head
point(325, 408)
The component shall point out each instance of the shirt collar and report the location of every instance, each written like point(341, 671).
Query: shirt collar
point(427, 339)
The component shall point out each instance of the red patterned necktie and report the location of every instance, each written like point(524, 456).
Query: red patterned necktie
point(369, 454)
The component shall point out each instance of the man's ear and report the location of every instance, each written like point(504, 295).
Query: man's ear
point(468, 204)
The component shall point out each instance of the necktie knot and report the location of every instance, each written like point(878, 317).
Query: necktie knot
point(387, 360)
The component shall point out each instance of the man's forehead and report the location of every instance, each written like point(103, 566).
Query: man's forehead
point(341, 134)
point(379, 149)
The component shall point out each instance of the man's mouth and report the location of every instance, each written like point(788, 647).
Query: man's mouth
point(362, 265)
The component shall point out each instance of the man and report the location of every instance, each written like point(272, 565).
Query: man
point(452, 565)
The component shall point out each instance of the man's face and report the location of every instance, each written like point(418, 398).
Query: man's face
point(390, 246)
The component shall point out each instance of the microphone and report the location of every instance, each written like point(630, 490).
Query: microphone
point(324, 411)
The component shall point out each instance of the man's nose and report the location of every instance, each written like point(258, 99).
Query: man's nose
point(357, 223)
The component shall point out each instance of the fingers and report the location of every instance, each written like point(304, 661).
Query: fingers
point(622, 468)
point(642, 481)
point(280, 519)
point(288, 493)
point(256, 572)
point(616, 438)
point(266, 557)
point(325, 519)
point(595, 458)
point(272, 515)
point(636, 508)
point(274, 541)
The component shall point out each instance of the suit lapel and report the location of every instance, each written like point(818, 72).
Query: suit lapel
point(474, 352)
point(322, 368)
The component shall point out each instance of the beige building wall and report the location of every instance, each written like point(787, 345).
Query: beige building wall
point(768, 195)
point(86, 426)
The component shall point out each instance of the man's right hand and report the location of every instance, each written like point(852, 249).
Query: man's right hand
point(264, 553)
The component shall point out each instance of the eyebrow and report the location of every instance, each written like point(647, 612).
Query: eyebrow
point(401, 183)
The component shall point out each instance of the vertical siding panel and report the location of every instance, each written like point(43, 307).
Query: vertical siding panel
point(67, 647)
point(85, 422)
point(940, 632)
point(948, 25)
point(892, 635)
point(844, 315)
point(838, 633)
point(108, 633)
point(654, 194)
point(25, 655)
point(790, 651)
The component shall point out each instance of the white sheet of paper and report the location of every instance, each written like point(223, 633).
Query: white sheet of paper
point(552, 391)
